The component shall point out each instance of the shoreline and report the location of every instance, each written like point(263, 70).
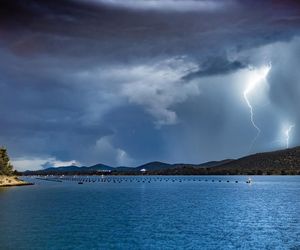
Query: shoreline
point(12, 181)
point(166, 173)
point(43, 177)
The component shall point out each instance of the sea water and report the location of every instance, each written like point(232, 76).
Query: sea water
point(195, 212)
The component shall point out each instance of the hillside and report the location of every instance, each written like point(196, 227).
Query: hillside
point(70, 170)
point(100, 167)
point(154, 166)
point(279, 162)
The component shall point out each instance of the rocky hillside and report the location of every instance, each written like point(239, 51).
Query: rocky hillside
point(280, 162)
point(287, 160)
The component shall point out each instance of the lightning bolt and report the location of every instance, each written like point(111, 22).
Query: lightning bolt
point(252, 119)
point(258, 76)
point(287, 134)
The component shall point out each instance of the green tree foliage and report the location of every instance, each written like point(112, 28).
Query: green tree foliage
point(5, 167)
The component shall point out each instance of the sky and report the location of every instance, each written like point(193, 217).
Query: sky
point(125, 82)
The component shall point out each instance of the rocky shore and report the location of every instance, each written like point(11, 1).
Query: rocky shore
point(8, 181)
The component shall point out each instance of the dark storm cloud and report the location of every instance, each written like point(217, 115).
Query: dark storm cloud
point(116, 81)
point(75, 28)
point(215, 66)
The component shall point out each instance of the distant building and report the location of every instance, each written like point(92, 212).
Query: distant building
point(143, 170)
point(103, 171)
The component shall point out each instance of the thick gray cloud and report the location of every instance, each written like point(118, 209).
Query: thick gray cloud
point(165, 5)
point(124, 82)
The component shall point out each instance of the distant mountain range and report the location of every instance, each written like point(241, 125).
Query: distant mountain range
point(73, 168)
point(101, 168)
point(277, 162)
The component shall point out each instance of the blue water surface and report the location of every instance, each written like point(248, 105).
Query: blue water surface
point(153, 213)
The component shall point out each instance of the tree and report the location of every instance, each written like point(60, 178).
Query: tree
point(5, 167)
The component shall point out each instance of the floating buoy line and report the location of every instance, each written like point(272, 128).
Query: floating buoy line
point(136, 179)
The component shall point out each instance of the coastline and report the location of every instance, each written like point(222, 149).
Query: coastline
point(12, 181)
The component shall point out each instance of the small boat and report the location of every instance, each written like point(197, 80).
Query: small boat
point(80, 182)
point(249, 181)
